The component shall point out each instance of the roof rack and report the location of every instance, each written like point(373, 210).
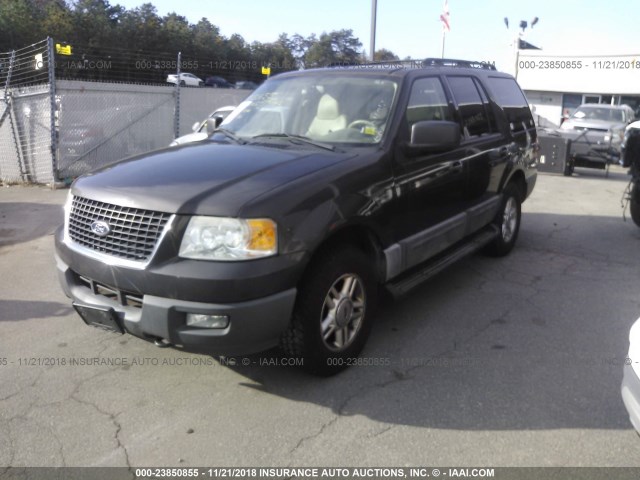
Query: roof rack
point(452, 62)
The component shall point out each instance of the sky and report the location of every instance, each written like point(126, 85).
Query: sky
point(412, 27)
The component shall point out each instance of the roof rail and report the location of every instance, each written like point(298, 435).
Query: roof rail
point(384, 65)
point(452, 62)
point(415, 63)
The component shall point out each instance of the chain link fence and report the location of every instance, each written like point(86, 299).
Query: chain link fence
point(52, 130)
point(99, 123)
point(26, 115)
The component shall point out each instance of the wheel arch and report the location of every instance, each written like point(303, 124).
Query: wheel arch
point(359, 236)
point(518, 179)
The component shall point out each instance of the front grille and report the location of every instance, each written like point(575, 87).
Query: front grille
point(591, 129)
point(133, 232)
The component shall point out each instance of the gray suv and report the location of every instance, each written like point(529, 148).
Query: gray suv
point(596, 132)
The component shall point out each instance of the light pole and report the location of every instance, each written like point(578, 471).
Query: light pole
point(523, 25)
point(374, 11)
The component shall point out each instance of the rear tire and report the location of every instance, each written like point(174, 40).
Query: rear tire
point(507, 221)
point(334, 311)
point(568, 168)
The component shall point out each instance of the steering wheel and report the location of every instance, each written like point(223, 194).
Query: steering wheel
point(363, 123)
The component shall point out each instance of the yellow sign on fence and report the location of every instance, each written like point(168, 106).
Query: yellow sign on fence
point(266, 70)
point(63, 49)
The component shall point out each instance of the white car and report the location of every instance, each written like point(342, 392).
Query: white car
point(200, 131)
point(186, 80)
point(633, 125)
point(631, 379)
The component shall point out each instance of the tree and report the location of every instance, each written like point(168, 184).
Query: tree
point(320, 52)
point(276, 55)
point(58, 21)
point(95, 23)
point(338, 46)
point(18, 24)
point(140, 46)
point(141, 29)
point(345, 46)
point(384, 55)
point(178, 34)
point(207, 42)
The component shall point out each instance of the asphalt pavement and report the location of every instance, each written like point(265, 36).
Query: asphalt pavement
point(495, 362)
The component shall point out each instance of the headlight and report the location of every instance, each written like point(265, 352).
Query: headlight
point(634, 346)
point(614, 136)
point(228, 239)
point(67, 213)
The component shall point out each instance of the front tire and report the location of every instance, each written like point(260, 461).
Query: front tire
point(634, 204)
point(507, 221)
point(334, 310)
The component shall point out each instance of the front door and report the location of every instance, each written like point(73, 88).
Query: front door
point(430, 187)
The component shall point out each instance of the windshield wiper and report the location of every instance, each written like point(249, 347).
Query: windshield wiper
point(300, 138)
point(229, 134)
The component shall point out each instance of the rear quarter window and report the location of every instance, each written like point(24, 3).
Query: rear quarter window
point(510, 98)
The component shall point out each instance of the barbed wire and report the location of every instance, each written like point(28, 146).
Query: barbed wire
point(26, 66)
point(153, 67)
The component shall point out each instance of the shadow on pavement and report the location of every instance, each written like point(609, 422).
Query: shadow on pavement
point(23, 222)
point(15, 310)
point(535, 340)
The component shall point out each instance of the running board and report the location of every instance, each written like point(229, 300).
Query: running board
point(432, 267)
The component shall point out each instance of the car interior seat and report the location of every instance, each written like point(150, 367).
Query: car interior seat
point(328, 118)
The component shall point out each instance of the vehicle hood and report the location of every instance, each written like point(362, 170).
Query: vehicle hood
point(203, 178)
point(190, 137)
point(592, 124)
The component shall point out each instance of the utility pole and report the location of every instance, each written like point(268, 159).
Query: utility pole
point(374, 10)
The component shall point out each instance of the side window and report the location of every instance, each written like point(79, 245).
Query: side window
point(427, 102)
point(487, 106)
point(475, 121)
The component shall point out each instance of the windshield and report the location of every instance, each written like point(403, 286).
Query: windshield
point(599, 113)
point(323, 108)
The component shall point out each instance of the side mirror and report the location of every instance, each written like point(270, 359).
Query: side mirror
point(196, 126)
point(434, 136)
point(212, 124)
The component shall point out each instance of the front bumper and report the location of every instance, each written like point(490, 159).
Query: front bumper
point(254, 325)
point(631, 395)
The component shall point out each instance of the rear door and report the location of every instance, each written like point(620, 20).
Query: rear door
point(483, 146)
point(520, 126)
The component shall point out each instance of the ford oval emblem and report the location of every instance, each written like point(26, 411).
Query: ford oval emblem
point(100, 228)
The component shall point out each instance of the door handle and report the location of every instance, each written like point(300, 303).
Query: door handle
point(502, 154)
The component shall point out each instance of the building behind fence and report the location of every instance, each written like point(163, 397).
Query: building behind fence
point(52, 130)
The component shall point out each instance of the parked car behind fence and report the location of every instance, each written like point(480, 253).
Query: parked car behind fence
point(186, 80)
point(200, 131)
